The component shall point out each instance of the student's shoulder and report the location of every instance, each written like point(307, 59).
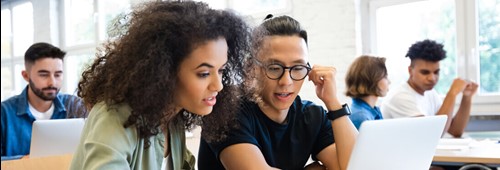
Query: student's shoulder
point(307, 106)
point(68, 97)
point(102, 111)
point(12, 102)
point(401, 94)
point(304, 103)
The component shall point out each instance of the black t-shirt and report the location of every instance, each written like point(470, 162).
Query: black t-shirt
point(284, 146)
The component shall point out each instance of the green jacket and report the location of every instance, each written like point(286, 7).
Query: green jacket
point(106, 144)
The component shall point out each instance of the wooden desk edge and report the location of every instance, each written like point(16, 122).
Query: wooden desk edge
point(49, 162)
point(459, 159)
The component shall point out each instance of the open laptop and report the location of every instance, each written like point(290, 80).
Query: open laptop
point(394, 144)
point(55, 136)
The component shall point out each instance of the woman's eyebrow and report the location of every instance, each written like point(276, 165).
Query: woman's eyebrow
point(205, 65)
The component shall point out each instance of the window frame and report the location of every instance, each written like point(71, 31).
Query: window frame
point(467, 55)
point(18, 83)
point(77, 50)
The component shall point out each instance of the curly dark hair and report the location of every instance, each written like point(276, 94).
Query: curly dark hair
point(428, 50)
point(140, 66)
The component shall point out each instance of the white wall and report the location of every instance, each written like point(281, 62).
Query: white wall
point(331, 27)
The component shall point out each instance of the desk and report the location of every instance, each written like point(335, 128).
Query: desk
point(465, 151)
point(60, 162)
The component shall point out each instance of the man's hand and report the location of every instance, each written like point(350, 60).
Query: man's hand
point(323, 78)
point(458, 86)
point(470, 89)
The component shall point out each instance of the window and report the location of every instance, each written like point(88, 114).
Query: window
point(22, 17)
point(82, 26)
point(87, 22)
point(7, 80)
point(253, 8)
point(17, 35)
point(489, 46)
point(79, 22)
point(73, 74)
point(399, 26)
point(6, 35)
point(86, 26)
point(468, 29)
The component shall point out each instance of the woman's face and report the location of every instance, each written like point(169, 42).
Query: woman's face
point(200, 77)
point(286, 51)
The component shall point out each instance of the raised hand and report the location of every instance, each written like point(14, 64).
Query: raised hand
point(323, 78)
point(470, 89)
point(458, 86)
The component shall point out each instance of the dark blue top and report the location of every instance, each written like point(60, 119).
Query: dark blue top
point(361, 111)
point(17, 120)
point(284, 146)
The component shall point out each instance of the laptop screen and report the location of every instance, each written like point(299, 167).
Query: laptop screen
point(403, 143)
point(55, 136)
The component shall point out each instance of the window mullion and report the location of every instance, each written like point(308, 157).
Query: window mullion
point(471, 28)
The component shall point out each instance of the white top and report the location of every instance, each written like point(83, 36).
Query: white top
point(406, 102)
point(41, 115)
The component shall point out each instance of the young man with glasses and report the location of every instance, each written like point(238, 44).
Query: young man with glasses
point(277, 129)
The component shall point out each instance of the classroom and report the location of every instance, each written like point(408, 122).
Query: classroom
point(339, 31)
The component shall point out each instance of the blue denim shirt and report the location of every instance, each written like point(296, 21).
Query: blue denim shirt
point(361, 111)
point(17, 120)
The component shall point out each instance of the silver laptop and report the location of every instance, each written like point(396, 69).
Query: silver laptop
point(394, 144)
point(55, 136)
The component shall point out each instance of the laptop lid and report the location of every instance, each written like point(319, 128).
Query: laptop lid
point(393, 144)
point(55, 136)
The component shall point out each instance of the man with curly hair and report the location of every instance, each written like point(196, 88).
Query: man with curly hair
point(417, 96)
point(40, 100)
point(179, 63)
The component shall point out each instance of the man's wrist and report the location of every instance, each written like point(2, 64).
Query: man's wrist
point(452, 93)
point(334, 114)
point(334, 105)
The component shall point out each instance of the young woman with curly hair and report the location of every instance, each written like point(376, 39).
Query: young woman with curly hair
point(160, 76)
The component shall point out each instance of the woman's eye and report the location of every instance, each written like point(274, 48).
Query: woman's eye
point(203, 75)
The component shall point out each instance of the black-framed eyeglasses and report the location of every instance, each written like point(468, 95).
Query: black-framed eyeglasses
point(297, 72)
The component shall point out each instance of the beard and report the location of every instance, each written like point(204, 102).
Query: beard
point(39, 91)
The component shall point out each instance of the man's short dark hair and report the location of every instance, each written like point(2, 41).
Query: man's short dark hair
point(42, 50)
point(427, 50)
